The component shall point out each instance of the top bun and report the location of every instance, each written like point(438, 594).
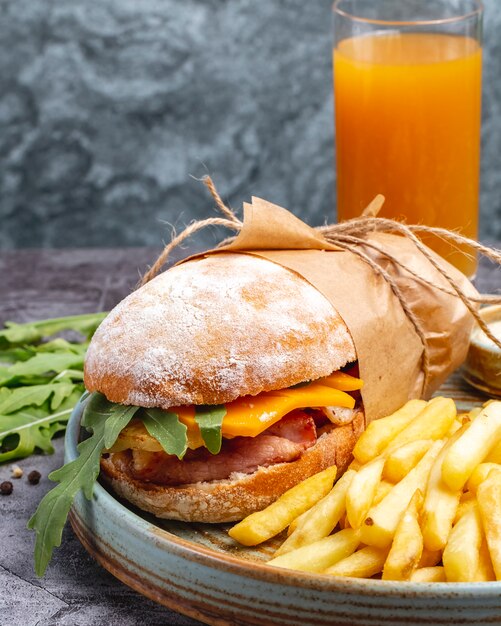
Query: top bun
point(213, 329)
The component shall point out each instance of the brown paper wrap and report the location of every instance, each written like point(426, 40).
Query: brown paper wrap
point(388, 347)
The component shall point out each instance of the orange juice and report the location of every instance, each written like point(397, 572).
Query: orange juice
point(408, 108)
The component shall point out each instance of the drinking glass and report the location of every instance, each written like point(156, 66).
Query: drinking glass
point(407, 90)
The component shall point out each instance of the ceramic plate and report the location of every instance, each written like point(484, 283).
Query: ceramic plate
point(197, 570)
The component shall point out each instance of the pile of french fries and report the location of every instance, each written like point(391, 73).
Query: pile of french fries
point(421, 501)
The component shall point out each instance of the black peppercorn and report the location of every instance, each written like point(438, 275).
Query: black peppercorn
point(34, 477)
point(6, 488)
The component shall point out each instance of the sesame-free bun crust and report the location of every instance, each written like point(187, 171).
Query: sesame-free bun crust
point(235, 498)
point(213, 329)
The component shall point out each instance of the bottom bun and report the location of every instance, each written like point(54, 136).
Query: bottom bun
point(234, 498)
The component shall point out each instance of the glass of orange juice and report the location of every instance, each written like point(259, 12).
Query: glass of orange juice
point(407, 90)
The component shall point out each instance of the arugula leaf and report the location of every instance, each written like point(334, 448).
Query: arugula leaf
point(19, 353)
point(34, 394)
point(35, 331)
point(210, 420)
point(120, 417)
point(78, 395)
point(43, 363)
point(31, 432)
point(69, 376)
point(167, 430)
point(34, 427)
point(39, 381)
point(81, 474)
point(61, 392)
point(61, 345)
point(15, 334)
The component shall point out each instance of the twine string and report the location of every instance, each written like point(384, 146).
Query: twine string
point(177, 240)
point(483, 299)
point(351, 236)
point(364, 225)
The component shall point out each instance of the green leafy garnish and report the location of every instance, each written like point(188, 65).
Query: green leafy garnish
point(31, 432)
point(120, 416)
point(167, 430)
point(33, 332)
point(34, 395)
point(40, 381)
point(43, 363)
point(104, 420)
point(210, 420)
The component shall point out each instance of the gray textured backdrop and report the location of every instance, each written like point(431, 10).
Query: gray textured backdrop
point(108, 106)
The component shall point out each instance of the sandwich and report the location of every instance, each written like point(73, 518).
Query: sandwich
point(242, 380)
point(232, 377)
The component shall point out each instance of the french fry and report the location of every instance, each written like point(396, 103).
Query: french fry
point(485, 571)
point(464, 418)
point(343, 522)
point(355, 465)
point(456, 424)
point(461, 554)
point(489, 504)
point(407, 547)
point(494, 456)
point(361, 491)
point(318, 556)
point(474, 413)
point(465, 496)
point(465, 505)
point(428, 575)
point(296, 522)
point(451, 533)
point(382, 490)
point(433, 422)
point(382, 520)
point(440, 503)
point(430, 558)
point(263, 525)
point(400, 461)
point(379, 433)
point(361, 564)
point(472, 447)
point(321, 519)
point(480, 473)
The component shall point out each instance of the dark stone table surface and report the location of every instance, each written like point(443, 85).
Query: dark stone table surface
point(108, 107)
point(75, 591)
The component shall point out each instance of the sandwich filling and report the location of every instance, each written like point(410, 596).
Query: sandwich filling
point(213, 443)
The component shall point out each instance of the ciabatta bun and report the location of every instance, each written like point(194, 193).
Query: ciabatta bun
point(234, 498)
point(214, 329)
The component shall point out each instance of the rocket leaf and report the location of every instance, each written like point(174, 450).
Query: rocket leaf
point(104, 420)
point(40, 382)
point(121, 415)
point(210, 420)
point(33, 427)
point(42, 363)
point(32, 395)
point(35, 331)
point(167, 430)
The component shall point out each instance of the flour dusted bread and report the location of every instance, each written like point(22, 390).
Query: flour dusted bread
point(235, 498)
point(213, 329)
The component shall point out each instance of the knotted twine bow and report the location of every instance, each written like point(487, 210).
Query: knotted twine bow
point(351, 235)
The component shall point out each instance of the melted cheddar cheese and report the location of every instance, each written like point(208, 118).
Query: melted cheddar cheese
point(251, 415)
